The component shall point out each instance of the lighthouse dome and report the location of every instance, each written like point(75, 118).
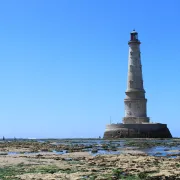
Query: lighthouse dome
point(134, 32)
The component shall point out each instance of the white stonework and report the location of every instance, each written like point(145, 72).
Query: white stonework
point(135, 108)
point(135, 101)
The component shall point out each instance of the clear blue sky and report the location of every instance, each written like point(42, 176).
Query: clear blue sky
point(63, 64)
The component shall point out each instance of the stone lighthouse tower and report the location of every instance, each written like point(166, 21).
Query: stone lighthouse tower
point(135, 123)
point(135, 101)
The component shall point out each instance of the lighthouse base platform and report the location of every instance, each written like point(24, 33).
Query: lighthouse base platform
point(143, 130)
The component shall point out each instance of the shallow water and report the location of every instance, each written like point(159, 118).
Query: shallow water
point(165, 147)
point(162, 151)
point(103, 152)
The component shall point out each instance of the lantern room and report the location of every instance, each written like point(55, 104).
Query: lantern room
point(134, 36)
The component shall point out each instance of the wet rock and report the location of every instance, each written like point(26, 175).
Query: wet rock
point(39, 155)
point(93, 170)
point(91, 163)
point(94, 150)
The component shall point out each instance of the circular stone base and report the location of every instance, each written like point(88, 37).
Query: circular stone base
point(146, 130)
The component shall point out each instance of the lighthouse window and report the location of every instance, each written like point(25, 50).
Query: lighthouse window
point(132, 37)
point(131, 68)
point(140, 67)
point(136, 37)
point(131, 83)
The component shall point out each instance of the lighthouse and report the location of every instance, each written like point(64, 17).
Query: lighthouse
point(135, 101)
point(135, 123)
